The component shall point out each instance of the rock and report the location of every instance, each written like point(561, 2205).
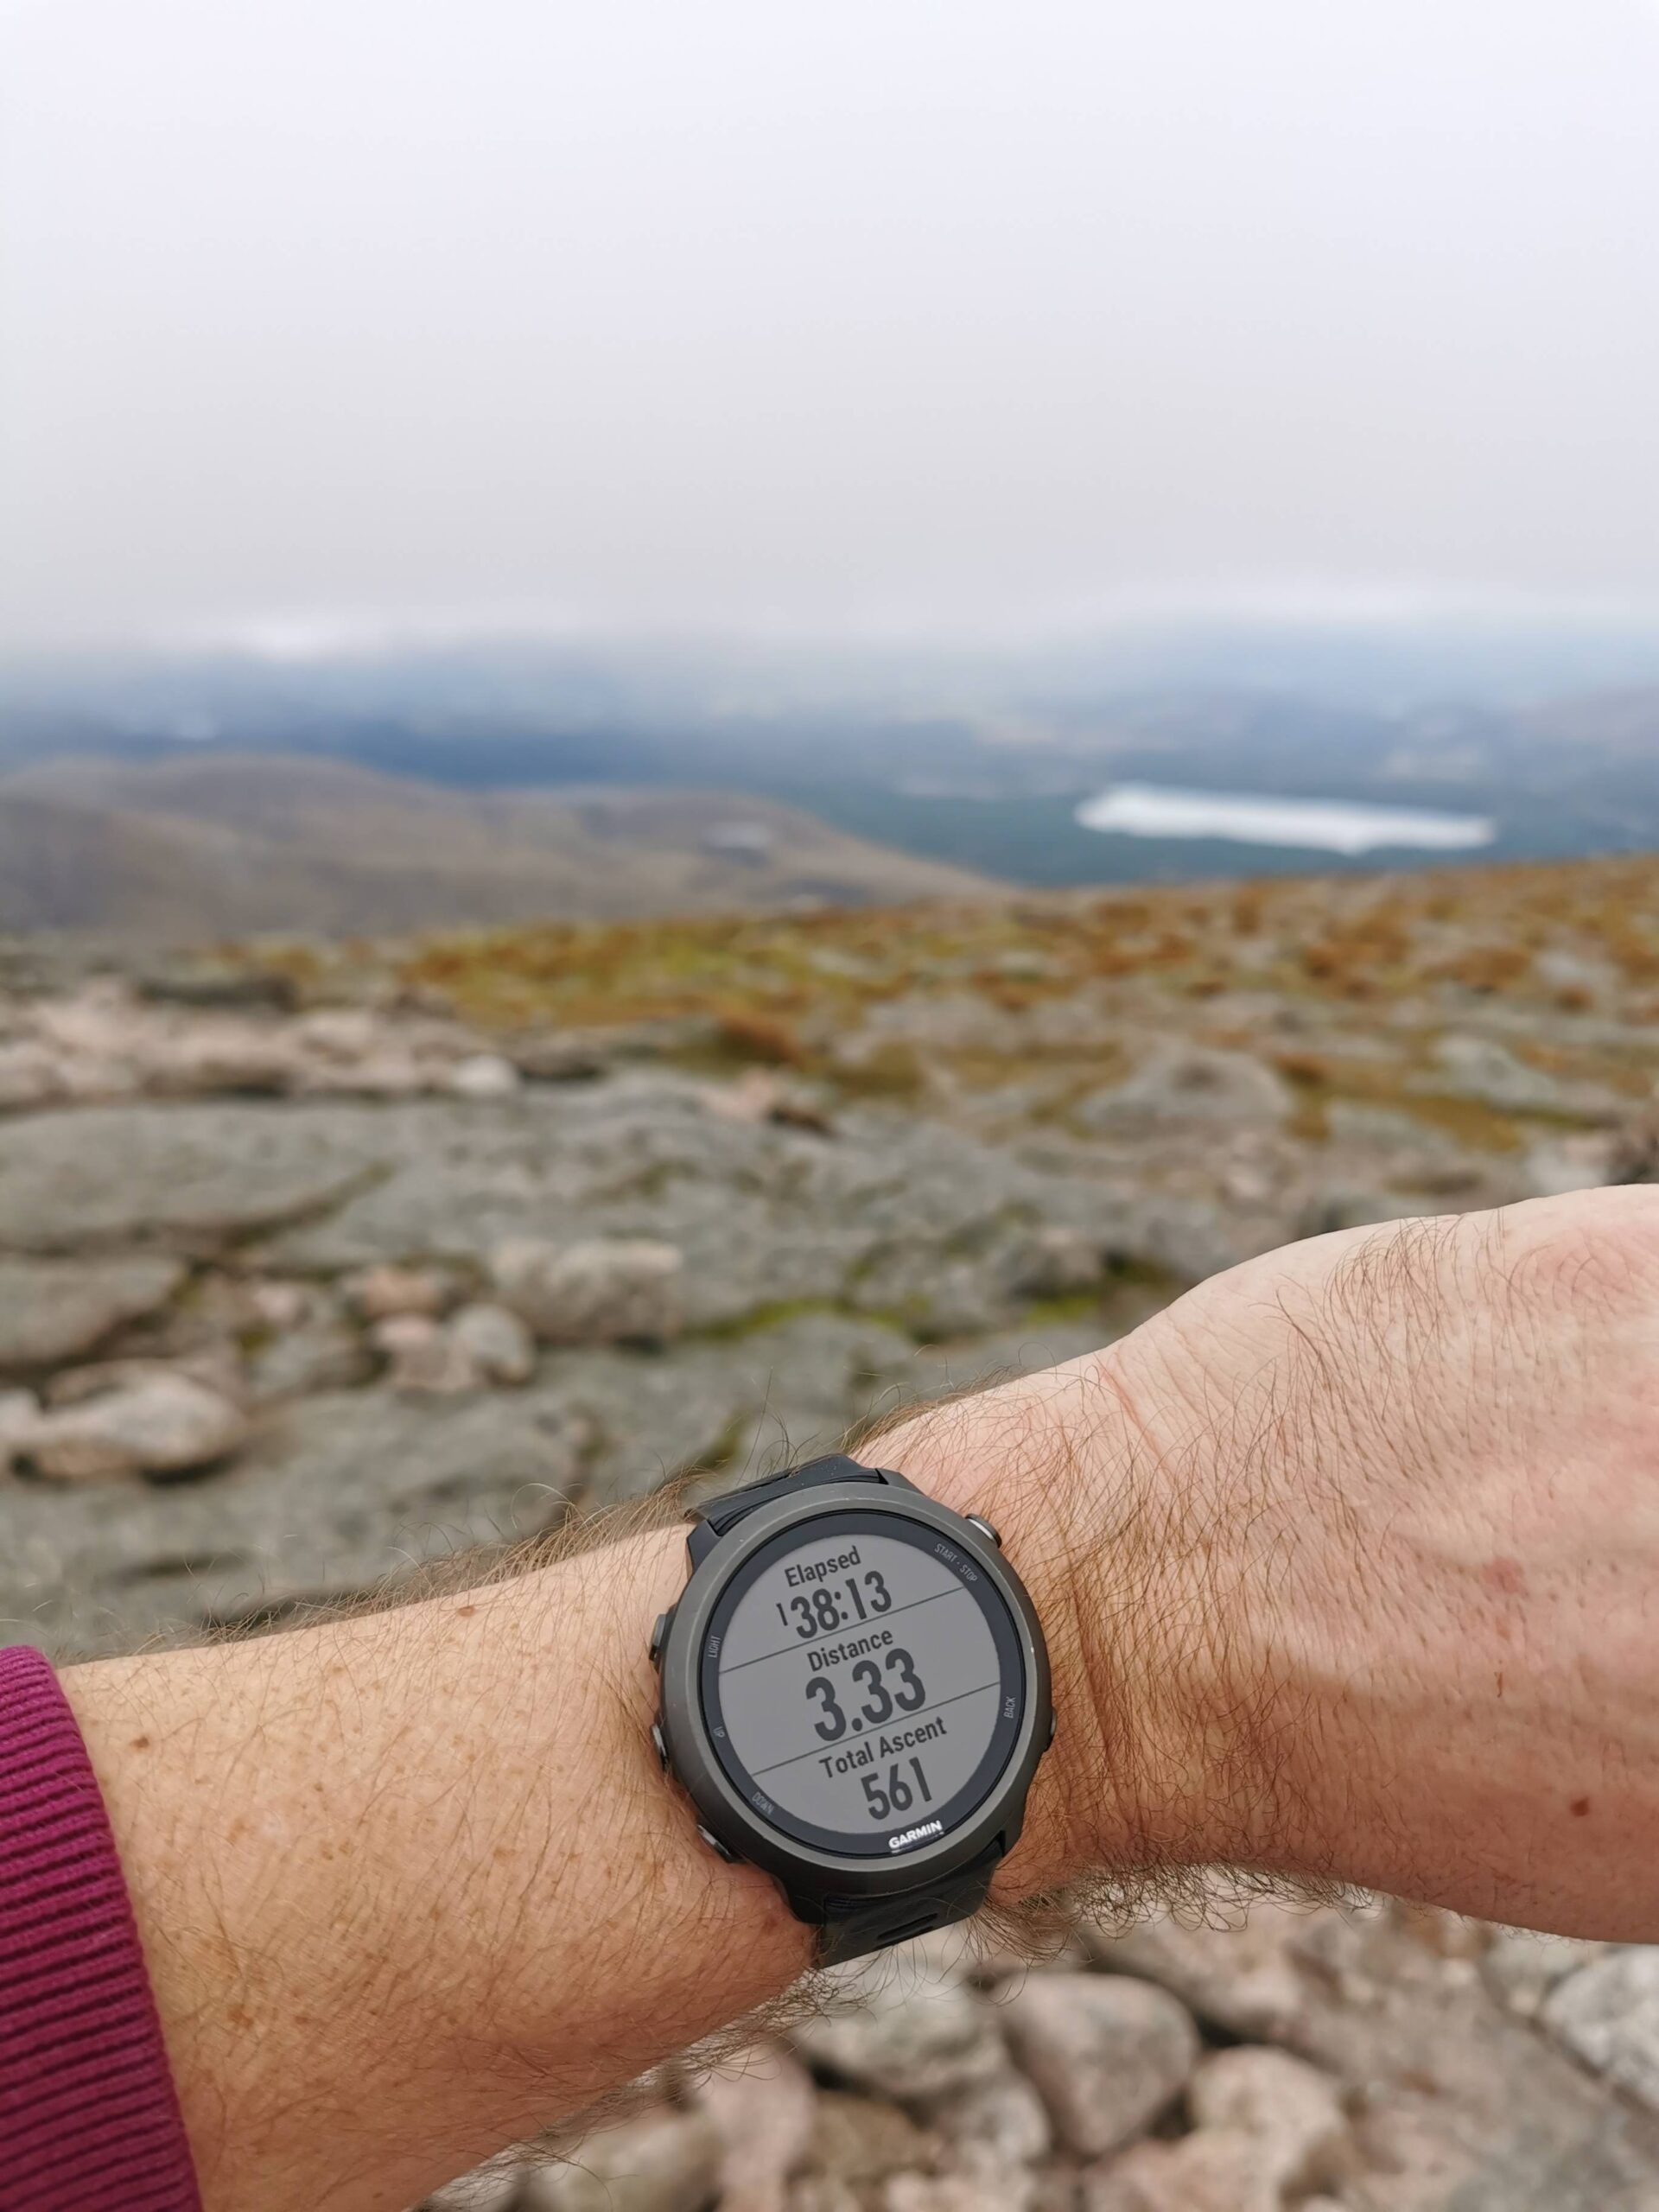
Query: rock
point(663, 2162)
point(824, 2193)
point(557, 1056)
point(483, 1075)
point(1055, 1260)
point(1187, 1085)
point(858, 2140)
point(205, 983)
point(1405, 1138)
point(336, 1491)
point(937, 1298)
point(19, 1411)
point(750, 1099)
point(1105, 2053)
point(1607, 2015)
point(760, 1095)
point(1217, 2170)
point(318, 1356)
point(915, 2036)
point(1002, 2116)
point(1521, 1967)
point(403, 1332)
point(278, 1305)
point(764, 2114)
point(340, 1032)
point(214, 1367)
point(1481, 1069)
point(239, 1058)
point(750, 1403)
point(423, 1357)
point(51, 1311)
point(1246, 1980)
point(379, 1293)
point(329, 1496)
point(30, 1074)
point(495, 1340)
point(388, 1075)
point(162, 1425)
point(188, 1178)
point(604, 1291)
point(1291, 2111)
point(1584, 1160)
point(1570, 972)
point(763, 1216)
point(950, 2193)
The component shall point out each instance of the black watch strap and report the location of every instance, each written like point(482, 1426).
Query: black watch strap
point(721, 1514)
point(851, 1928)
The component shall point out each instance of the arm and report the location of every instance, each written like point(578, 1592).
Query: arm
point(1347, 1564)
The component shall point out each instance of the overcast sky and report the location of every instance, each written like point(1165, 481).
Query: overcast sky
point(825, 315)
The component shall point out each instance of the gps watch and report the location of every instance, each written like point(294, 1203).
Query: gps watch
point(854, 1697)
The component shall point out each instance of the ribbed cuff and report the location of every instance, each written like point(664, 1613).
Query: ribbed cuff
point(89, 2120)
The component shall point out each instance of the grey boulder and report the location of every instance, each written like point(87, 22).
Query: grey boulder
point(496, 1342)
point(1290, 2110)
point(1107, 2054)
point(604, 1290)
point(190, 1178)
point(1185, 1083)
point(1607, 2015)
point(162, 1423)
point(663, 2162)
point(51, 1311)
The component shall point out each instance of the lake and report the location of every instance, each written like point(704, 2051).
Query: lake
point(1330, 825)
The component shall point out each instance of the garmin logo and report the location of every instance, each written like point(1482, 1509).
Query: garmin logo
point(907, 1836)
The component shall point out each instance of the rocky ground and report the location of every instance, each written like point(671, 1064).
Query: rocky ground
point(316, 1261)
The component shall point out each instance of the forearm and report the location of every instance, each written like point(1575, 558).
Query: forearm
point(413, 1886)
point(1346, 1566)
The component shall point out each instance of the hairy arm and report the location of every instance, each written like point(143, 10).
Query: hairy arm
point(1348, 1565)
point(412, 1885)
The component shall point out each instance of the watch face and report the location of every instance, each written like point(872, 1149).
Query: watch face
point(863, 1683)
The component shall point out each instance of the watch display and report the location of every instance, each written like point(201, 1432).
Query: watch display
point(863, 1683)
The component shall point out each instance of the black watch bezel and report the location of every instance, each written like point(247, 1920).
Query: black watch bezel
point(809, 1875)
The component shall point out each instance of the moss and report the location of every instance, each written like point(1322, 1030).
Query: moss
point(1072, 1306)
point(776, 1313)
point(1470, 1120)
point(770, 981)
point(771, 1314)
point(891, 1069)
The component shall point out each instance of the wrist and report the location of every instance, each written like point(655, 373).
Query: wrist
point(1111, 1504)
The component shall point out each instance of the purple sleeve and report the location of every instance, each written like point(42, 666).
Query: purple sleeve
point(88, 2115)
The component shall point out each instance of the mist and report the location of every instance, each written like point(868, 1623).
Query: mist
point(354, 321)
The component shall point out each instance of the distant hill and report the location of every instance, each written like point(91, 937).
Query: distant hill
point(214, 844)
point(979, 765)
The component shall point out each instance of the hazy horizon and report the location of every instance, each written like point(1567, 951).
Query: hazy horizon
point(898, 321)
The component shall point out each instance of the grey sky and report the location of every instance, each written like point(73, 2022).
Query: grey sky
point(831, 313)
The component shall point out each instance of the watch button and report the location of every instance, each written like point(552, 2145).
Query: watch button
point(659, 1636)
point(978, 1521)
point(1051, 1727)
point(659, 1745)
point(721, 1849)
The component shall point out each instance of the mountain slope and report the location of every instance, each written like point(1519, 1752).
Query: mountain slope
point(229, 844)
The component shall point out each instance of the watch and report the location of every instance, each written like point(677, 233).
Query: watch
point(855, 1696)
